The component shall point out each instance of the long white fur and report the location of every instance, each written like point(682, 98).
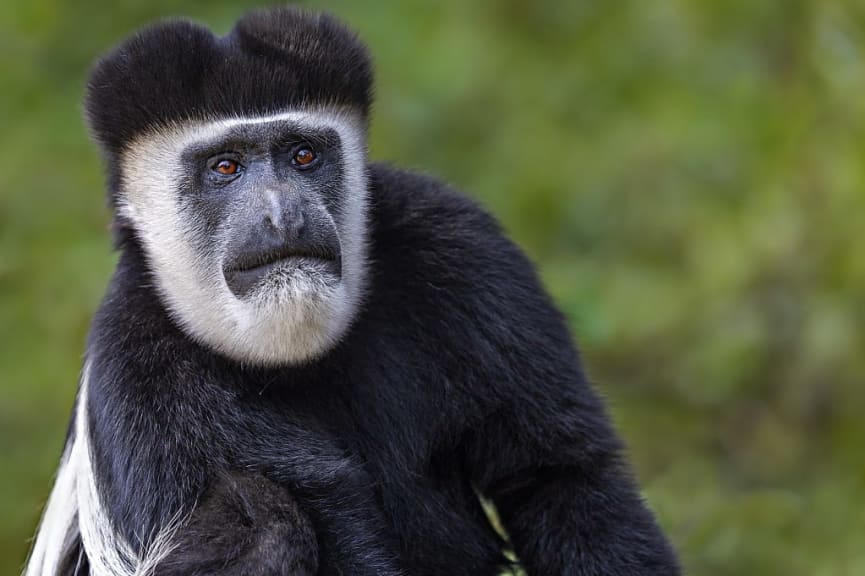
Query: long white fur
point(288, 323)
point(57, 524)
point(75, 507)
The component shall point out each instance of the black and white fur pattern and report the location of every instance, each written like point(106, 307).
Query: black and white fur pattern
point(373, 412)
point(75, 510)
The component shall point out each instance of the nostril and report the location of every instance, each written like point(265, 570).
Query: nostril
point(294, 222)
point(273, 221)
point(299, 221)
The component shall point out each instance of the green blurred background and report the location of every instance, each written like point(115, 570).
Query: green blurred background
point(689, 176)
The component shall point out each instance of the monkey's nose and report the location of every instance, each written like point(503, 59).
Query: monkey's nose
point(286, 222)
point(279, 239)
point(283, 215)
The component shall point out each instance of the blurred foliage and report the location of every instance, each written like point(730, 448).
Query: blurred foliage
point(689, 176)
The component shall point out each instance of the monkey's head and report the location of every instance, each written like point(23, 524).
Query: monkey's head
point(238, 164)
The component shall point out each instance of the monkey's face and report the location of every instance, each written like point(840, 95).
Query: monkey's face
point(254, 229)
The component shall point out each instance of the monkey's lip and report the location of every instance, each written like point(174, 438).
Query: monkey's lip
point(249, 270)
point(252, 261)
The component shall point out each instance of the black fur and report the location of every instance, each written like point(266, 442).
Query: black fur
point(268, 535)
point(271, 61)
point(457, 378)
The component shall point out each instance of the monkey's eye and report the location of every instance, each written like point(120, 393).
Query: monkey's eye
point(226, 166)
point(303, 156)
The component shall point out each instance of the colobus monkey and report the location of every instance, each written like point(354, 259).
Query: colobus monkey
point(307, 363)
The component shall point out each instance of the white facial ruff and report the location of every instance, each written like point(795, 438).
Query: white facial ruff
point(289, 324)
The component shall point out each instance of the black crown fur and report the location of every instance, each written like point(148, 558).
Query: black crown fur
point(273, 60)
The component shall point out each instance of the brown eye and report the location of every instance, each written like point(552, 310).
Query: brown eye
point(226, 167)
point(304, 157)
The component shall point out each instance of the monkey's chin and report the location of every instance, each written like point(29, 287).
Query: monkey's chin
point(272, 277)
point(293, 315)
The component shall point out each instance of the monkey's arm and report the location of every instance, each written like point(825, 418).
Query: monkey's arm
point(567, 499)
point(547, 454)
point(249, 524)
point(166, 419)
point(551, 462)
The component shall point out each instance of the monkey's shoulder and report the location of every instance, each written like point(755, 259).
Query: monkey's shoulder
point(439, 256)
point(422, 222)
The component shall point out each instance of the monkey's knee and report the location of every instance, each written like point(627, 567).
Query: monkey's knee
point(245, 526)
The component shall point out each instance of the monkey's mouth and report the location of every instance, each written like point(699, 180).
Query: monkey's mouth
point(248, 270)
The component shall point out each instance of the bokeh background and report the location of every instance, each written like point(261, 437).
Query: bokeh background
point(689, 176)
